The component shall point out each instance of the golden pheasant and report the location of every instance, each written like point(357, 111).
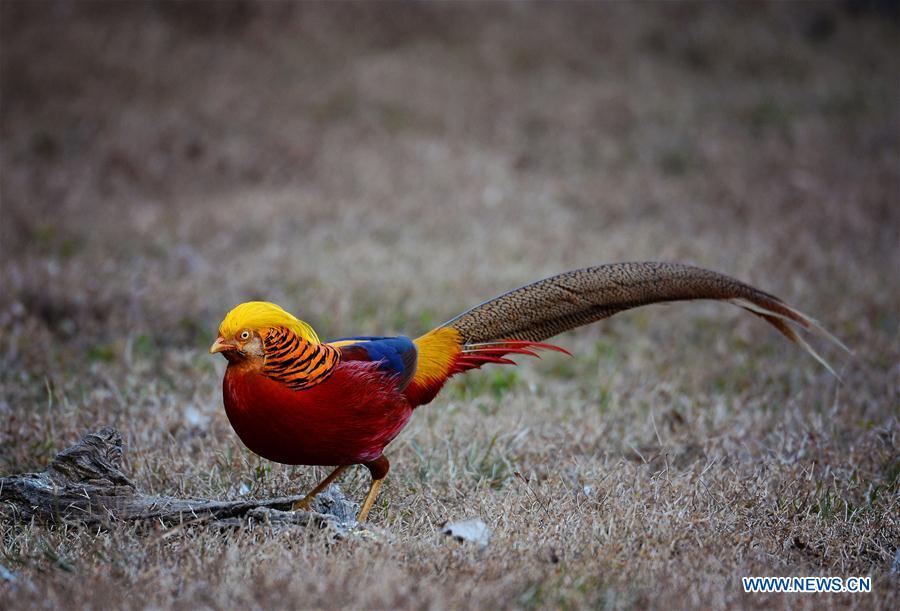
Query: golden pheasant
point(294, 399)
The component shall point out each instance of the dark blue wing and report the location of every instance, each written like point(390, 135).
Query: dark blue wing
point(395, 355)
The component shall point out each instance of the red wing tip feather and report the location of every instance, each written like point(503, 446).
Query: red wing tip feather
point(475, 362)
point(515, 344)
point(502, 351)
point(552, 347)
point(473, 356)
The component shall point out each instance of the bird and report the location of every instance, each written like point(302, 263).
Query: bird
point(294, 399)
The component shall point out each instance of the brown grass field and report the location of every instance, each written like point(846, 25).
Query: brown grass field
point(377, 169)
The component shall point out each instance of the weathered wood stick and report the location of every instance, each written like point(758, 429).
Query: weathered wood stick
point(85, 485)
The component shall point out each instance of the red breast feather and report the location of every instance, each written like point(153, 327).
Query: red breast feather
point(347, 419)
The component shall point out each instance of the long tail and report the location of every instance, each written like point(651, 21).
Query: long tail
point(518, 321)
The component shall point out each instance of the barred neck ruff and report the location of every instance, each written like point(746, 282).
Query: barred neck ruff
point(296, 362)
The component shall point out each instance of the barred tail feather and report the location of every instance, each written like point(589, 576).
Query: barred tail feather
point(519, 321)
point(781, 321)
point(545, 308)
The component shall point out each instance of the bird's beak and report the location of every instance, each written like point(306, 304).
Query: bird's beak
point(220, 345)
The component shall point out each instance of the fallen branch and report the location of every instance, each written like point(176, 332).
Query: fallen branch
point(85, 485)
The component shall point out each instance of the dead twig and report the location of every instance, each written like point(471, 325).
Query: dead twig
point(84, 485)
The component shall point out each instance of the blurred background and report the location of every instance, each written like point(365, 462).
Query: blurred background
point(378, 168)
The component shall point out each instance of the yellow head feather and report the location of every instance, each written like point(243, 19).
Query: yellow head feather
point(264, 315)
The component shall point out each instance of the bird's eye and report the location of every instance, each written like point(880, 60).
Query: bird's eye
point(245, 334)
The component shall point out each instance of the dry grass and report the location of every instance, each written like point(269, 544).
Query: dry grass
point(379, 170)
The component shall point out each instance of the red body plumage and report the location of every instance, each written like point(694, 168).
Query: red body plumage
point(347, 419)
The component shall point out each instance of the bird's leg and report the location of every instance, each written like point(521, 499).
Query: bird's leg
point(306, 502)
point(379, 469)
